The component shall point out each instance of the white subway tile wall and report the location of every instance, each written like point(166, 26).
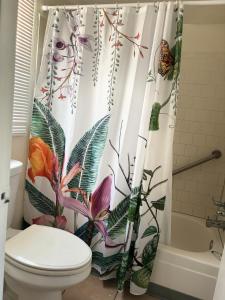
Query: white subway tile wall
point(200, 126)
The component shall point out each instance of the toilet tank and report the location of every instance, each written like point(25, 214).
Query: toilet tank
point(16, 168)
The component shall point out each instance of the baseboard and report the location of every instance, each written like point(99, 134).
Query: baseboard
point(167, 294)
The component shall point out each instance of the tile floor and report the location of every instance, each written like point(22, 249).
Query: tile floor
point(95, 289)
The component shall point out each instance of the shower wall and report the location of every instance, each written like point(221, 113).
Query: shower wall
point(200, 119)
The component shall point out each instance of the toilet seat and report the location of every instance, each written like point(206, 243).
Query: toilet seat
point(44, 272)
point(48, 251)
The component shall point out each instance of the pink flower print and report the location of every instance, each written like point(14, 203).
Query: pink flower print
point(58, 78)
point(96, 208)
point(115, 13)
point(137, 36)
point(47, 220)
point(84, 40)
point(56, 57)
point(59, 44)
point(44, 90)
point(61, 97)
point(118, 44)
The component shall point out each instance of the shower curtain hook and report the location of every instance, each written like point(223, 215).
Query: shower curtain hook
point(138, 7)
point(157, 4)
point(76, 4)
point(117, 5)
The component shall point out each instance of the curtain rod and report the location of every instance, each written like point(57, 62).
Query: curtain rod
point(113, 5)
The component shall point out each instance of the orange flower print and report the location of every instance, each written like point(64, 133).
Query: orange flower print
point(42, 160)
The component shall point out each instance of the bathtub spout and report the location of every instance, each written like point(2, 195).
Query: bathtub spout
point(215, 223)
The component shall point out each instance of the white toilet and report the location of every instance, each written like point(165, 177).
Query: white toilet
point(41, 262)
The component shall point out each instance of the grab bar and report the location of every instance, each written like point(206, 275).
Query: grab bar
point(214, 155)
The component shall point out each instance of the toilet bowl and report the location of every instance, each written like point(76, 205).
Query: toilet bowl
point(41, 262)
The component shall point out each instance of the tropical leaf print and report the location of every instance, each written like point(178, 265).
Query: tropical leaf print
point(142, 276)
point(149, 231)
point(117, 219)
point(45, 126)
point(106, 263)
point(144, 194)
point(134, 204)
point(176, 52)
point(86, 231)
point(149, 251)
point(180, 21)
point(154, 120)
point(159, 204)
point(88, 152)
point(143, 262)
point(151, 76)
point(42, 203)
point(121, 273)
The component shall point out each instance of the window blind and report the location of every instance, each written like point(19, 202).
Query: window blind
point(23, 66)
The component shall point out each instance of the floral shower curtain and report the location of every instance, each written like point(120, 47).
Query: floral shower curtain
point(100, 150)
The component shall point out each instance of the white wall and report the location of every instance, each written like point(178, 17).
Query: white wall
point(8, 9)
point(200, 119)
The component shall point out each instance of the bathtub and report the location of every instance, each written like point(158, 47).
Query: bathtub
point(190, 264)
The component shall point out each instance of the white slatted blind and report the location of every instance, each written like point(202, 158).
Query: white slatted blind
point(23, 66)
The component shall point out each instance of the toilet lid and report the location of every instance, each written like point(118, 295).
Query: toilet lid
point(48, 248)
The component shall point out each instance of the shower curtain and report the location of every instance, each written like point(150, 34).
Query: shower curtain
point(100, 148)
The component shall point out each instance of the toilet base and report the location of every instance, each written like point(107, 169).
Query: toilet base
point(9, 295)
point(28, 285)
point(17, 292)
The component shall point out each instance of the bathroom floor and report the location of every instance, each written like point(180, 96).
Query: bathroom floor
point(95, 289)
